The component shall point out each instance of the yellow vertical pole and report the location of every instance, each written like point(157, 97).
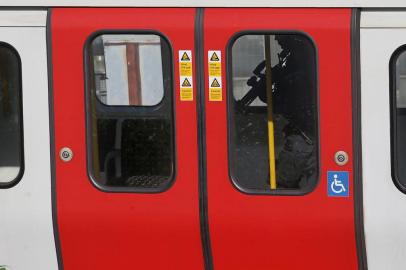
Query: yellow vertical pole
point(271, 139)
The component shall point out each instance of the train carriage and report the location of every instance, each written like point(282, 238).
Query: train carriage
point(202, 135)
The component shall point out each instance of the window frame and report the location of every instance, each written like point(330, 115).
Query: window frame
point(393, 117)
point(17, 179)
point(168, 97)
point(230, 99)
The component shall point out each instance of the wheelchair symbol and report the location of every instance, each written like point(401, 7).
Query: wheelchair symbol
point(337, 186)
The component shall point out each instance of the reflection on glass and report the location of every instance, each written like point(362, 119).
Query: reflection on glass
point(400, 118)
point(132, 145)
point(10, 126)
point(128, 69)
point(292, 112)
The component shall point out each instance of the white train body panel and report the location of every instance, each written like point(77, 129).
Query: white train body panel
point(384, 205)
point(26, 228)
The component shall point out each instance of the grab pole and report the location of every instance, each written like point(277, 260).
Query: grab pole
point(271, 139)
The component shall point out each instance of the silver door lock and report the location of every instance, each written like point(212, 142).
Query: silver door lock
point(341, 158)
point(66, 154)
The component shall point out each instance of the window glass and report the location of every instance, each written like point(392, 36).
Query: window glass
point(128, 69)
point(399, 118)
point(273, 129)
point(11, 151)
point(132, 144)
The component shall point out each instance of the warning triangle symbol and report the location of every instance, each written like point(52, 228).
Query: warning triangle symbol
point(186, 83)
point(214, 57)
point(215, 83)
point(185, 57)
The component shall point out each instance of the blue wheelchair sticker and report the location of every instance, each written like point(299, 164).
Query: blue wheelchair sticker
point(338, 184)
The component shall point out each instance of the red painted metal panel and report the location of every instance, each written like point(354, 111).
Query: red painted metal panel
point(284, 232)
point(100, 230)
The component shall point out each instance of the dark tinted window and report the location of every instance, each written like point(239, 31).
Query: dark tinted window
point(273, 129)
point(398, 93)
point(130, 112)
point(11, 144)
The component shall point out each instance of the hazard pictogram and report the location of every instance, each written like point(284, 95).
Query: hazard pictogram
point(214, 57)
point(186, 83)
point(215, 83)
point(185, 57)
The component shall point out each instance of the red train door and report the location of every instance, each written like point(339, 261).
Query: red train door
point(275, 138)
point(300, 216)
point(126, 186)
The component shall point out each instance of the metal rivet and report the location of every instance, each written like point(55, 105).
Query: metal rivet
point(341, 158)
point(66, 154)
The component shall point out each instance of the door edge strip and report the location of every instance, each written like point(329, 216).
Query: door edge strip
point(357, 139)
point(52, 139)
point(201, 130)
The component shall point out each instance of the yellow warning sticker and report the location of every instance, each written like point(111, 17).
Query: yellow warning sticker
point(215, 85)
point(215, 89)
point(186, 75)
point(185, 63)
point(186, 88)
point(215, 63)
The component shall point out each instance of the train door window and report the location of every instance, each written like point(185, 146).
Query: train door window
point(273, 127)
point(11, 132)
point(130, 112)
point(398, 102)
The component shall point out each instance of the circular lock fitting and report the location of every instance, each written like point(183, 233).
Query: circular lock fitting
point(66, 154)
point(341, 158)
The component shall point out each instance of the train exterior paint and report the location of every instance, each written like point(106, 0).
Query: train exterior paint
point(210, 135)
point(255, 235)
point(138, 220)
